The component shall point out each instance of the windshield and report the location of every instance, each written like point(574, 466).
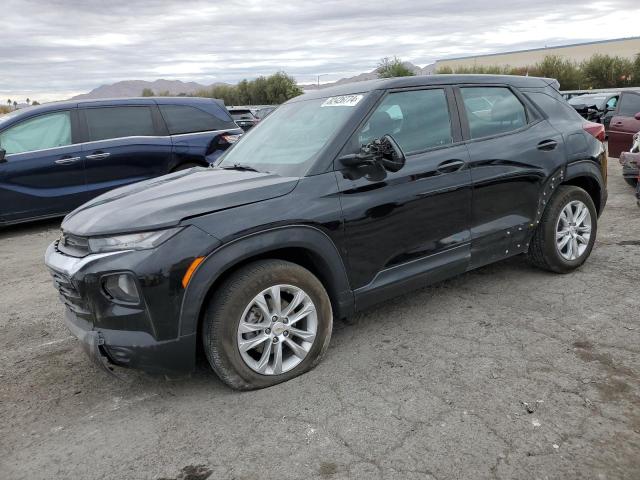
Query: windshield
point(241, 114)
point(289, 140)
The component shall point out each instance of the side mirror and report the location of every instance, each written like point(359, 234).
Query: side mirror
point(384, 151)
point(3, 154)
point(637, 116)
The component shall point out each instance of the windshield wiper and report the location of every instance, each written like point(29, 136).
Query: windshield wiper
point(240, 166)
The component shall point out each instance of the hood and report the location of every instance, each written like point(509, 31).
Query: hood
point(165, 201)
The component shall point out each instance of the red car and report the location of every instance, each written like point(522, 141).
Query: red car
point(625, 124)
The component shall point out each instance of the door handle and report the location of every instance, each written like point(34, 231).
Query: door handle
point(547, 145)
point(67, 160)
point(98, 156)
point(450, 166)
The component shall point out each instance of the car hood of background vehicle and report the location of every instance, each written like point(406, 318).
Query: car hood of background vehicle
point(165, 201)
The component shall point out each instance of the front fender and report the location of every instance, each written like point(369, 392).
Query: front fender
point(309, 238)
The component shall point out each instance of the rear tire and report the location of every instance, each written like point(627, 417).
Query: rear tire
point(559, 225)
point(235, 319)
point(633, 182)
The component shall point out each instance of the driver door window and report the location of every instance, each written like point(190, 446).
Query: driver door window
point(39, 133)
point(417, 119)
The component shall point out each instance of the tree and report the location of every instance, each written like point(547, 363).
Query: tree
point(274, 89)
point(147, 92)
point(9, 102)
point(393, 67)
point(15, 105)
point(605, 71)
point(565, 71)
point(34, 102)
point(28, 102)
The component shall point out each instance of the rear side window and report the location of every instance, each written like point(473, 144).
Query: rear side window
point(118, 122)
point(187, 119)
point(556, 109)
point(629, 105)
point(39, 133)
point(492, 111)
point(417, 120)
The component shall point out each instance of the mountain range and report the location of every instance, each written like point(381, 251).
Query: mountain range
point(134, 88)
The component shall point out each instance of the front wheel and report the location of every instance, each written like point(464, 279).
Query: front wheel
point(270, 321)
point(631, 181)
point(566, 233)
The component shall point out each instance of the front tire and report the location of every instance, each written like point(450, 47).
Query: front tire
point(631, 181)
point(269, 322)
point(566, 233)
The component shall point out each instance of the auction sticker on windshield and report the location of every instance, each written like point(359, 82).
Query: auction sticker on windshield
point(342, 101)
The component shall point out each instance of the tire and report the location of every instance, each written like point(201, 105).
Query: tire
point(185, 166)
point(633, 182)
point(543, 249)
point(234, 301)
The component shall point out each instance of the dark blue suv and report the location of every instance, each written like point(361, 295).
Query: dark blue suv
point(56, 157)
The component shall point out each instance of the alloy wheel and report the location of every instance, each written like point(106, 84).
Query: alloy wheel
point(277, 329)
point(573, 230)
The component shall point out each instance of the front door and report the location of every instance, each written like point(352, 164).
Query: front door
point(124, 146)
point(407, 228)
point(43, 171)
point(512, 153)
point(624, 124)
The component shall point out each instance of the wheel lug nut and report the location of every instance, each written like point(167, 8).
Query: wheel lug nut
point(286, 333)
point(274, 319)
point(275, 339)
point(267, 331)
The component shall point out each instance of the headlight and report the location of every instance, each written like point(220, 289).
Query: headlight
point(131, 241)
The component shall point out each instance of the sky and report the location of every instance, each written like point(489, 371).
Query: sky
point(54, 49)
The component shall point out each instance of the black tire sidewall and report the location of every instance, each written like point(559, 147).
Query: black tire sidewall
point(550, 220)
point(224, 316)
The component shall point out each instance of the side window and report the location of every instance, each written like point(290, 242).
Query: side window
point(612, 102)
point(492, 110)
point(39, 133)
point(417, 119)
point(629, 104)
point(556, 108)
point(117, 122)
point(187, 119)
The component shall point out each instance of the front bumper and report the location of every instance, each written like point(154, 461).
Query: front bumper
point(146, 335)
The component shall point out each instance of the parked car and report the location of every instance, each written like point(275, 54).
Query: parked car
point(264, 112)
point(625, 123)
point(244, 117)
point(596, 107)
point(630, 162)
point(57, 156)
point(345, 197)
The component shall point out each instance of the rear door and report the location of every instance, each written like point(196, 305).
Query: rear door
point(124, 144)
point(512, 151)
point(624, 124)
point(43, 173)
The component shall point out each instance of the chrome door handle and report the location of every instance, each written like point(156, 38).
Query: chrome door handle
point(68, 160)
point(97, 156)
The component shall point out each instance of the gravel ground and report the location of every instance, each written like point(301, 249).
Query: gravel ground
point(504, 372)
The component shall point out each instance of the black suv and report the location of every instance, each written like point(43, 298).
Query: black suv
point(341, 198)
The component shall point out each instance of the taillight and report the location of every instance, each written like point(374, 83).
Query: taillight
point(595, 129)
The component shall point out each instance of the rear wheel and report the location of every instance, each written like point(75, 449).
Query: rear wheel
point(566, 233)
point(631, 181)
point(268, 322)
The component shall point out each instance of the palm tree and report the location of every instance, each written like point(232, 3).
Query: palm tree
point(28, 102)
point(9, 102)
point(15, 105)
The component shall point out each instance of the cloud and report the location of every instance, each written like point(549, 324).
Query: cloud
point(51, 48)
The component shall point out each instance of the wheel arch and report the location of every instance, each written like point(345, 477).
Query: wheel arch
point(586, 174)
point(304, 245)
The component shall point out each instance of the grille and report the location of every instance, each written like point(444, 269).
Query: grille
point(73, 245)
point(70, 295)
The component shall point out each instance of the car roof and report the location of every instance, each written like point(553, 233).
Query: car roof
point(426, 80)
point(102, 102)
